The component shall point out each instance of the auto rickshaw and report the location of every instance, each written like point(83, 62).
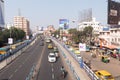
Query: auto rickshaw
point(105, 59)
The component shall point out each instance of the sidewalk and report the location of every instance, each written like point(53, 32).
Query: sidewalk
point(80, 72)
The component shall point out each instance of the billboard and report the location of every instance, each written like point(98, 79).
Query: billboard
point(113, 12)
point(64, 23)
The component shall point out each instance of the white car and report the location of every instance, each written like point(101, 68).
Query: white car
point(78, 57)
point(52, 57)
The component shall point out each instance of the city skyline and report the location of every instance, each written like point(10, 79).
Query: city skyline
point(44, 12)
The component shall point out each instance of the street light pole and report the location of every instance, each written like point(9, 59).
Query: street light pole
point(10, 38)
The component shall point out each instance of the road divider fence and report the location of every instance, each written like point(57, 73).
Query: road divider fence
point(68, 62)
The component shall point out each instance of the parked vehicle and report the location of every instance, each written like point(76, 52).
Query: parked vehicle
point(76, 51)
point(78, 56)
point(114, 55)
point(105, 59)
point(104, 75)
point(87, 48)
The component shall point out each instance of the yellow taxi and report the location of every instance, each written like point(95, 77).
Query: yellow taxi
point(67, 43)
point(76, 51)
point(104, 75)
point(50, 46)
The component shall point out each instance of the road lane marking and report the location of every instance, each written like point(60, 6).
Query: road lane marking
point(16, 70)
point(11, 76)
point(52, 69)
point(52, 65)
point(53, 76)
point(20, 66)
point(37, 68)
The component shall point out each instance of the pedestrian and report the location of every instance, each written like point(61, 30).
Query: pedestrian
point(108, 59)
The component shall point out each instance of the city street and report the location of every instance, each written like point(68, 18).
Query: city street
point(20, 68)
point(113, 67)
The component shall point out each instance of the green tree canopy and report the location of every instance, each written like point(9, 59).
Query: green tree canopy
point(15, 33)
point(88, 31)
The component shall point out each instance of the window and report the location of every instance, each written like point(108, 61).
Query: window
point(115, 39)
point(112, 39)
point(118, 39)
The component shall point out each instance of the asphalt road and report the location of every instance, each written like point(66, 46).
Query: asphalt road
point(20, 68)
point(50, 71)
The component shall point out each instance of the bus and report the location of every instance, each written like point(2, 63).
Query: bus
point(3, 50)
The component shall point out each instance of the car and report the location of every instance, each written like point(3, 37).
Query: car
point(55, 49)
point(70, 49)
point(67, 43)
point(52, 57)
point(48, 40)
point(76, 51)
point(50, 46)
point(78, 57)
point(104, 75)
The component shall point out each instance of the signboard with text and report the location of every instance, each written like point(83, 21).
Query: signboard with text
point(10, 40)
point(82, 47)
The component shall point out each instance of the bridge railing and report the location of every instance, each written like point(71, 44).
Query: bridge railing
point(87, 69)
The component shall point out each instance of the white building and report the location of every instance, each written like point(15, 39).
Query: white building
point(96, 25)
point(9, 25)
point(111, 36)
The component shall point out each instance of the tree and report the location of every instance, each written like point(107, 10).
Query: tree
point(88, 31)
point(74, 35)
point(15, 33)
point(57, 32)
point(72, 31)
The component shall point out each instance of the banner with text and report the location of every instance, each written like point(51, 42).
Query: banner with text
point(82, 47)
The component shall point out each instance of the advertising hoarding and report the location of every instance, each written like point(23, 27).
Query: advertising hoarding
point(64, 23)
point(113, 12)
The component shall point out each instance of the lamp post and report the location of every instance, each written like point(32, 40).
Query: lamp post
point(10, 40)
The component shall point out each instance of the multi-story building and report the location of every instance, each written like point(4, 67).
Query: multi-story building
point(50, 29)
point(110, 36)
point(96, 25)
point(2, 17)
point(22, 23)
